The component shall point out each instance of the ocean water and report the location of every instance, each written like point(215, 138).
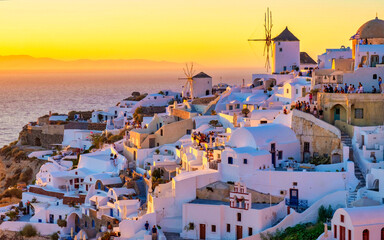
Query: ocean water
point(26, 96)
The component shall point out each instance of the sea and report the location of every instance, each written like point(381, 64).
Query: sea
point(24, 96)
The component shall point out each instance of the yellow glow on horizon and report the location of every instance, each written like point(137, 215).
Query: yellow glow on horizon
point(213, 33)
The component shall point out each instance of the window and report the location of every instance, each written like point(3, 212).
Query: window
point(263, 122)
point(250, 231)
point(280, 49)
point(239, 217)
point(93, 223)
point(366, 234)
point(189, 131)
point(161, 132)
point(342, 218)
point(213, 228)
point(86, 224)
point(306, 146)
point(90, 179)
point(40, 220)
point(60, 217)
point(230, 107)
point(297, 91)
point(374, 76)
point(245, 161)
point(359, 113)
point(350, 235)
point(237, 106)
point(230, 160)
point(280, 155)
point(294, 183)
point(228, 227)
point(278, 43)
point(287, 90)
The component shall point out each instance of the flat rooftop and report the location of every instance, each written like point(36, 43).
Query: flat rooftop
point(257, 206)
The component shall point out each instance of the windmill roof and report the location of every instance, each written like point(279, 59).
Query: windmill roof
point(286, 35)
point(202, 75)
point(306, 59)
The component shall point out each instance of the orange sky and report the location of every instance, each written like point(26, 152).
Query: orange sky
point(211, 32)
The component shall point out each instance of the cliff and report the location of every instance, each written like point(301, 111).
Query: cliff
point(16, 171)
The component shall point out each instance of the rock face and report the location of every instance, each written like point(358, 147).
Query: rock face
point(14, 170)
point(8, 235)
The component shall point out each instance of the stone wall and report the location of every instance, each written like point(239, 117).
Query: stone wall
point(221, 192)
point(36, 136)
point(322, 137)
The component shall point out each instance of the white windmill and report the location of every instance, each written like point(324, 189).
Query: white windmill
point(188, 86)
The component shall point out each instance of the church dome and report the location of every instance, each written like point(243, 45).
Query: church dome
point(372, 29)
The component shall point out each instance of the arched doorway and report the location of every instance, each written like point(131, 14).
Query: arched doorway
point(366, 234)
point(338, 112)
point(37, 142)
point(207, 92)
point(73, 222)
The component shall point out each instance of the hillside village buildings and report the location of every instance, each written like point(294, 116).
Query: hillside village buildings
point(244, 162)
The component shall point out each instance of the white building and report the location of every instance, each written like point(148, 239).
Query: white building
point(360, 223)
point(286, 52)
point(236, 219)
point(326, 59)
point(202, 86)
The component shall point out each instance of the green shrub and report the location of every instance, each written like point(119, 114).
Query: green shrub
point(62, 223)
point(28, 231)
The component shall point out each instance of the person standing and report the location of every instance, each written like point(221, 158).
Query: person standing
point(154, 233)
point(146, 225)
point(380, 85)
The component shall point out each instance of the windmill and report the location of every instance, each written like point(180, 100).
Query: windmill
point(188, 87)
point(268, 38)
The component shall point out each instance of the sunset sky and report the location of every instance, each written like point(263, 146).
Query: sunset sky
point(210, 32)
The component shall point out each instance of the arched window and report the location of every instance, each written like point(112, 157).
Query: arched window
point(382, 234)
point(366, 234)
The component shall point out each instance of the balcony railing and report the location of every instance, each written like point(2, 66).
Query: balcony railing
point(298, 205)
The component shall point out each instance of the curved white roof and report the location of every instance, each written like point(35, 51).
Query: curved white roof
point(262, 135)
point(364, 215)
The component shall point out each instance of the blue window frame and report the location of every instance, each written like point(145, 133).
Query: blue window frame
point(230, 160)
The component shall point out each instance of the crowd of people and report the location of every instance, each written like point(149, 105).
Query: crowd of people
point(306, 107)
point(328, 88)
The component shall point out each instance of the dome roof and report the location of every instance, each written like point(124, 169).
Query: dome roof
point(372, 29)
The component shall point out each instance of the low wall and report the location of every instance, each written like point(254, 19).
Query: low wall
point(66, 200)
point(336, 200)
point(43, 228)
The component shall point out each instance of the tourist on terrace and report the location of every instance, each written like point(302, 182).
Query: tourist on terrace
point(380, 85)
point(154, 233)
point(146, 225)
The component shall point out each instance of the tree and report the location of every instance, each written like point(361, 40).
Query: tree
point(157, 173)
point(245, 111)
point(137, 115)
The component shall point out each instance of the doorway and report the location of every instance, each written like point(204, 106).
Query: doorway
point(273, 152)
point(239, 232)
point(202, 231)
point(294, 197)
